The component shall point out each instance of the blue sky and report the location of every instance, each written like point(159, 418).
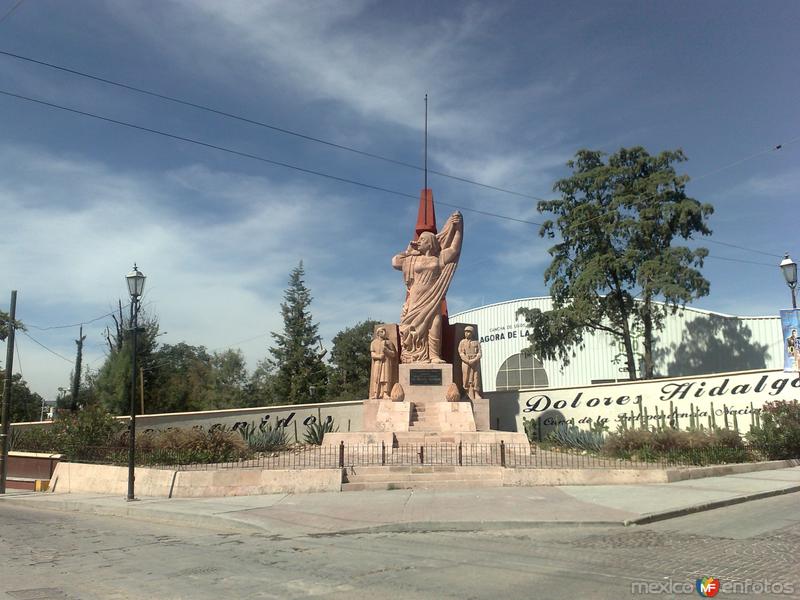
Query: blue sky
point(515, 89)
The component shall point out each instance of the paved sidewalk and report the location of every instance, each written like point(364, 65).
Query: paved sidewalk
point(290, 515)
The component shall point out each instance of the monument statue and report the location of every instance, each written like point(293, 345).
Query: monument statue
point(470, 352)
point(428, 265)
point(384, 355)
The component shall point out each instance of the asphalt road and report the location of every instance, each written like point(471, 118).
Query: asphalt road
point(56, 555)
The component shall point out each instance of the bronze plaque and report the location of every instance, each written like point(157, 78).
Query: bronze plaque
point(425, 377)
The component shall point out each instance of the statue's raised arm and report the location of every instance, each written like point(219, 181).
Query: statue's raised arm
point(428, 265)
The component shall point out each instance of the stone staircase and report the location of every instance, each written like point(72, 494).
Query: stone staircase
point(420, 421)
point(420, 477)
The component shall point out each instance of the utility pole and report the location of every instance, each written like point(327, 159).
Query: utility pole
point(76, 380)
point(6, 407)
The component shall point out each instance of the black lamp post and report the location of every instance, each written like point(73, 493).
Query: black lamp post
point(789, 268)
point(135, 288)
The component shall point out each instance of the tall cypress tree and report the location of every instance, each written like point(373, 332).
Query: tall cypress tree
point(300, 373)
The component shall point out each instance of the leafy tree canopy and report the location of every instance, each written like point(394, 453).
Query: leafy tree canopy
point(112, 383)
point(615, 224)
point(351, 362)
point(25, 404)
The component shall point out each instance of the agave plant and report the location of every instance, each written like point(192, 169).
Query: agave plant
point(572, 436)
point(531, 429)
point(266, 438)
point(316, 431)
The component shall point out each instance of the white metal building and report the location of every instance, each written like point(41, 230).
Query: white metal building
point(693, 342)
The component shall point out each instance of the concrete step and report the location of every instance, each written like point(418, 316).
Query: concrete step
point(391, 473)
point(356, 470)
point(420, 477)
point(421, 485)
point(432, 428)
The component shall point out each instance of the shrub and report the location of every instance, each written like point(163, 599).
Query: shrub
point(71, 434)
point(186, 446)
point(265, 438)
point(39, 438)
point(682, 447)
point(778, 437)
point(316, 431)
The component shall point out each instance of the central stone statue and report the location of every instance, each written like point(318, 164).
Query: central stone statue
point(428, 265)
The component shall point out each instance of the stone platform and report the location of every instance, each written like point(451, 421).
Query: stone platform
point(432, 411)
point(398, 439)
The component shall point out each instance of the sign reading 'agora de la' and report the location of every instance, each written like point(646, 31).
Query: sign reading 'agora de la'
point(739, 394)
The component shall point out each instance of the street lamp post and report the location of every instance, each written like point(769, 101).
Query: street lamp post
point(789, 268)
point(135, 287)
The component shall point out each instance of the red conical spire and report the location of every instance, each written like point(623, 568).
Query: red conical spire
point(426, 217)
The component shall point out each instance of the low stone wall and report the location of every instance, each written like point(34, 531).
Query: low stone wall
point(79, 478)
point(252, 482)
point(529, 477)
point(293, 417)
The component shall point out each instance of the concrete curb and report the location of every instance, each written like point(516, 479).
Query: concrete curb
point(464, 526)
point(675, 474)
point(212, 522)
point(688, 510)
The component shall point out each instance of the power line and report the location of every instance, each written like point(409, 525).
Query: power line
point(328, 175)
point(262, 124)
point(35, 341)
point(710, 241)
point(11, 10)
point(740, 260)
point(231, 345)
point(774, 148)
point(77, 324)
point(253, 156)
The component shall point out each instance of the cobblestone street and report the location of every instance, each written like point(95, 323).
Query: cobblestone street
point(51, 555)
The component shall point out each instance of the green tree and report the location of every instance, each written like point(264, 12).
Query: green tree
point(25, 404)
point(617, 222)
point(351, 362)
point(178, 379)
point(4, 319)
point(111, 385)
point(229, 379)
point(300, 373)
point(260, 388)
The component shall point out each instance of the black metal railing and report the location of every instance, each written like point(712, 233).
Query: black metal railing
point(518, 456)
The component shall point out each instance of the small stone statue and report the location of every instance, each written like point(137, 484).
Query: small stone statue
point(384, 359)
point(470, 352)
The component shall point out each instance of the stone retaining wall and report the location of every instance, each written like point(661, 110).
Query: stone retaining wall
point(167, 483)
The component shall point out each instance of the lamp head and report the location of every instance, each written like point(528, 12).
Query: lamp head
point(789, 268)
point(135, 282)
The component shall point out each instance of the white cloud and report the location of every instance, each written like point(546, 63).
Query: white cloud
point(210, 281)
point(371, 67)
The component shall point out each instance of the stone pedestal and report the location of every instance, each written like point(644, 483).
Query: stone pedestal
point(425, 387)
point(386, 415)
point(480, 408)
point(424, 382)
point(454, 416)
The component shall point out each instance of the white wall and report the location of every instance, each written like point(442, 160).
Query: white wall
point(693, 342)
